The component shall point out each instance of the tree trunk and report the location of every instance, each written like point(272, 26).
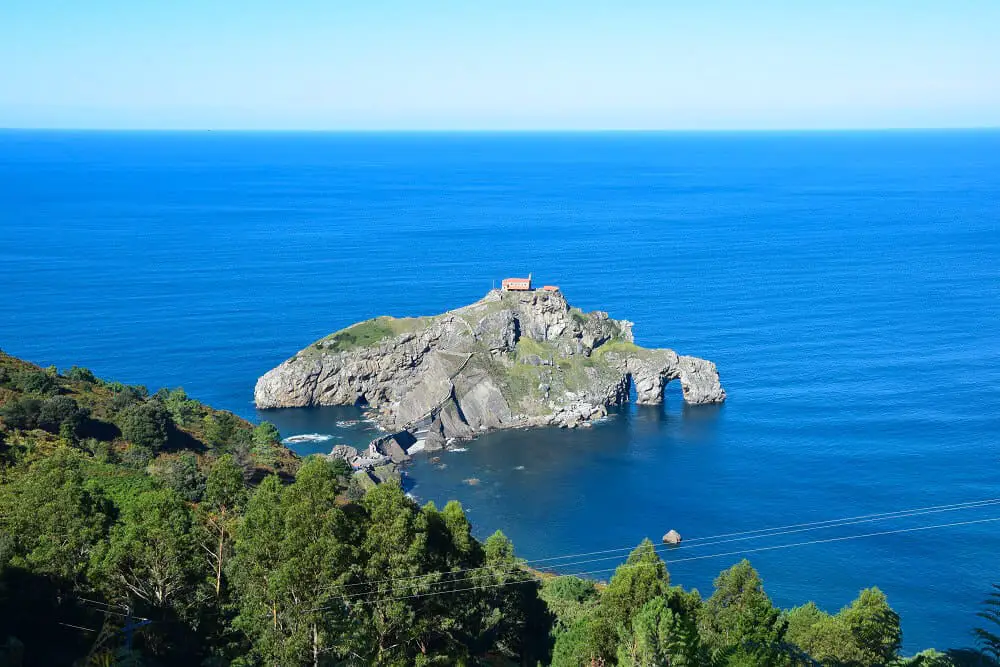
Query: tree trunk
point(218, 559)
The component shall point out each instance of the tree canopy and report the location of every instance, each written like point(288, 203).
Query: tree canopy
point(224, 549)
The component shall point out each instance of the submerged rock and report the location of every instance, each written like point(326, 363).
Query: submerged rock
point(509, 360)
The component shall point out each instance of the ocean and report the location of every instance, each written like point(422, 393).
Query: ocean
point(846, 284)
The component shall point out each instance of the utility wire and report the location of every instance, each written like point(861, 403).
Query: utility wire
point(704, 542)
point(77, 627)
point(717, 555)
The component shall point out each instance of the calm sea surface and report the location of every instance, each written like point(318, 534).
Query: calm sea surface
point(847, 285)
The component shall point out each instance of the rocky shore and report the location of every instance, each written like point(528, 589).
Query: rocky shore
point(513, 359)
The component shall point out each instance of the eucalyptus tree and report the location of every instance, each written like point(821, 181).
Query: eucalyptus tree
point(291, 562)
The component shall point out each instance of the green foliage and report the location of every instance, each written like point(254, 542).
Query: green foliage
point(266, 433)
point(225, 431)
point(740, 615)
point(932, 658)
point(225, 490)
point(660, 636)
point(146, 424)
point(60, 411)
point(823, 637)
point(290, 555)
point(369, 332)
point(150, 560)
point(21, 413)
point(342, 470)
point(136, 457)
point(79, 374)
point(576, 647)
point(181, 474)
point(988, 638)
point(359, 335)
point(254, 570)
point(642, 578)
point(55, 520)
point(570, 599)
point(294, 573)
point(266, 443)
point(181, 408)
point(118, 483)
point(225, 497)
point(874, 626)
point(35, 382)
point(123, 395)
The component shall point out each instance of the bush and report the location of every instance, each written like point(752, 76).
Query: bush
point(570, 599)
point(182, 475)
point(265, 440)
point(181, 408)
point(35, 382)
point(355, 489)
point(266, 433)
point(123, 395)
point(243, 458)
point(342, 470)
point(224, 431)
point(146, 424)
point(136, 457)
point(60, 410)
point(21, 413)
point(80, 374)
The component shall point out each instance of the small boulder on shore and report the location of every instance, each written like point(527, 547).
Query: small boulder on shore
point(672, 537)
point(345, 452)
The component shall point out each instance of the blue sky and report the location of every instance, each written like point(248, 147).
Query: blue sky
point(506, 64)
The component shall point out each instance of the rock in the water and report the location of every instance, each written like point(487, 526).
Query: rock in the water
point(345, 452)
point(672, 537)
point(483, 367)
point(394, 446)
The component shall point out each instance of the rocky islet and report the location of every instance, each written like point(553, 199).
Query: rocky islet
point(513, 359)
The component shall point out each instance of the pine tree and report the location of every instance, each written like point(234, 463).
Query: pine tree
point(988, 638)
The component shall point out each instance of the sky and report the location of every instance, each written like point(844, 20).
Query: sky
point(499, 65)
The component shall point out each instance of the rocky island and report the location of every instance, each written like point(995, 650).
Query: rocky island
point(518, 357)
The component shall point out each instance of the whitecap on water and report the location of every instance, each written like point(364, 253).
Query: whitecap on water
point(459, 449)
point(519, 468)
point(307, 437)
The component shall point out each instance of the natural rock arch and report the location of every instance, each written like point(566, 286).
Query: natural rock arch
point(651, 373)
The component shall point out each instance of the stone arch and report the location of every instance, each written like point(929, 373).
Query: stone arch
point(699, 379)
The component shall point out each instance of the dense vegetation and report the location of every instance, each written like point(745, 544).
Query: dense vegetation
point(149, 529)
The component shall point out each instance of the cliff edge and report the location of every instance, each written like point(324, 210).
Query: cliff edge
point(511, 359)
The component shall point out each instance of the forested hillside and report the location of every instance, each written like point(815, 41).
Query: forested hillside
point(149, 529)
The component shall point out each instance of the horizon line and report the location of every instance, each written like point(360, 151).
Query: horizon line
point(487, 130)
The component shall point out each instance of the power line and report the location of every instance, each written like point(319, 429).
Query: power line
point(76, 627)
point(718, 555)
point(704, 542)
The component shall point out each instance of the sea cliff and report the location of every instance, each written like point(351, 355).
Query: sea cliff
point(512, 359)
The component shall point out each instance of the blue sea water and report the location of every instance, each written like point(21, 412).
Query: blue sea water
point(846, 284)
